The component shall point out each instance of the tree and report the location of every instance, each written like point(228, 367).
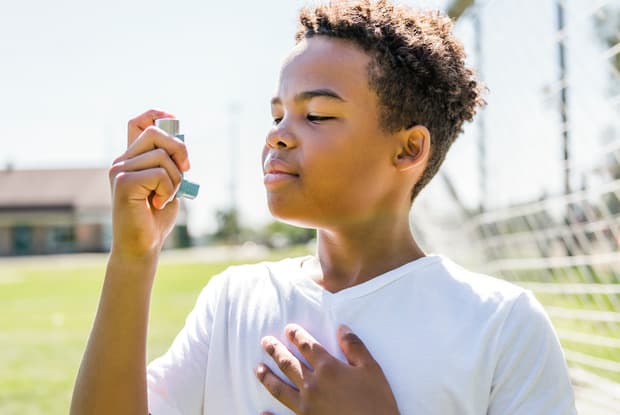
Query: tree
point(228, 227)
point(278, 234)
point(457, 7)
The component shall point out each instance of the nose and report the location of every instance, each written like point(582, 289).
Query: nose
point(281, 137)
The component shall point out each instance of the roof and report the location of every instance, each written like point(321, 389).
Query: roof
point(85, 188)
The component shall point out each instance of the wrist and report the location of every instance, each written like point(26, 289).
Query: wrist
point(134, 267)
point(123, 254)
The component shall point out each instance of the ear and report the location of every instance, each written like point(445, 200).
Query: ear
point(414, 147)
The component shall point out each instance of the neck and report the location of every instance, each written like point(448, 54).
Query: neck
point(356, 254)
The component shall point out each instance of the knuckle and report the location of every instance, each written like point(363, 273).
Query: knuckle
point(113, 171)
point(305, 346)
point(352, 339)
point(121, 180)
point(181, 148)
point(161, 154)
point(164, 178)
point(293, 331)
point(310, 388)
point(301, 342)
point(276, 390)
point(285, 364)
point(118, 159)
point(179, 145)
point(182, 145)
point(270, 349)
point(178, 177)
point(117, 165)
point(322, 367)
point(151, 130)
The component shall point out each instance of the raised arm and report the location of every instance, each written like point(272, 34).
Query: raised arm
point(144, 180)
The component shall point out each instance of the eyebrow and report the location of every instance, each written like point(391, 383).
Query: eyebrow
point(308, 95)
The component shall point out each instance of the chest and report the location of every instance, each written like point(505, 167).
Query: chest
point(435, 363)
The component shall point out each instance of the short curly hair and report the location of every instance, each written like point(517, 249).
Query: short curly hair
point(418, 68)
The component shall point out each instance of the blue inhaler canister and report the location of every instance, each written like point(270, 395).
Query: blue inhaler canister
point(188, 190)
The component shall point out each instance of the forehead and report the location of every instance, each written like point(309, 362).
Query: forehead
point(324, 62)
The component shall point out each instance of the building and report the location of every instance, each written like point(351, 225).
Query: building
point(60, 211)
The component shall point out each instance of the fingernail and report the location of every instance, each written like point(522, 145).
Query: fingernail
point(156, 202)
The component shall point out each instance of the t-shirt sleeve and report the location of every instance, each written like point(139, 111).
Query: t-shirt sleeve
point(176, 380)
point(531, 376)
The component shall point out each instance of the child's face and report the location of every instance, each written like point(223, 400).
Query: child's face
point(326, 160)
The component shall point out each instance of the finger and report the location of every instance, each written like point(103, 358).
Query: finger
point(279, 389)
point(138, 124)
point(286, 361)
point(151, 159)
point(353, 348)
point(140, 185)
point(153, 138)
point(307, 345)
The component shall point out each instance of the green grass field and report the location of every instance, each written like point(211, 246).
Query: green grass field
point(46, 315)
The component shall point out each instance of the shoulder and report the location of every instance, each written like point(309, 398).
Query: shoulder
point(463, 291)
point(255, 278)
point(476, 286)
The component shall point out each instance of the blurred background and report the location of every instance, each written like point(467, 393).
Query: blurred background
point(530, 191)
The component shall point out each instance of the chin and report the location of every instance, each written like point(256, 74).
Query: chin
point(290, 215)
point(292, 220)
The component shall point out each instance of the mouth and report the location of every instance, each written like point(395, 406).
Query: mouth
point(276, 171)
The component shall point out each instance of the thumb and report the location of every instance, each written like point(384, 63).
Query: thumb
point(353, 348)
point(167, 215)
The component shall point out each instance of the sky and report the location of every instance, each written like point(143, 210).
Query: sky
point(72, 73)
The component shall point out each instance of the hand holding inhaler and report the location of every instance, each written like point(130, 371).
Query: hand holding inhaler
point(146, 181)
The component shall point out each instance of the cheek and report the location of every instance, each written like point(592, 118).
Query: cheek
point(343, 164)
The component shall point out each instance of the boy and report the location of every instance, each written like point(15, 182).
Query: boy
point(368, 103)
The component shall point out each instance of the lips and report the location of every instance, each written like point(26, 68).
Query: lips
point(278, 166)
point(277, 171)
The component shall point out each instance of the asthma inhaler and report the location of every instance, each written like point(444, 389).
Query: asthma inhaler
point(188, 190)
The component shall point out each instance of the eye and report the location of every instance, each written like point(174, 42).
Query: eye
point(318, 118)
point(276, 120)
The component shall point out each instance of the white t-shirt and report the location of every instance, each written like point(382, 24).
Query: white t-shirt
point(450, 342)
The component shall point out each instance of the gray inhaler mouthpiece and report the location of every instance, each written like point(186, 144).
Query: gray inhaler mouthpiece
point(188, 190)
